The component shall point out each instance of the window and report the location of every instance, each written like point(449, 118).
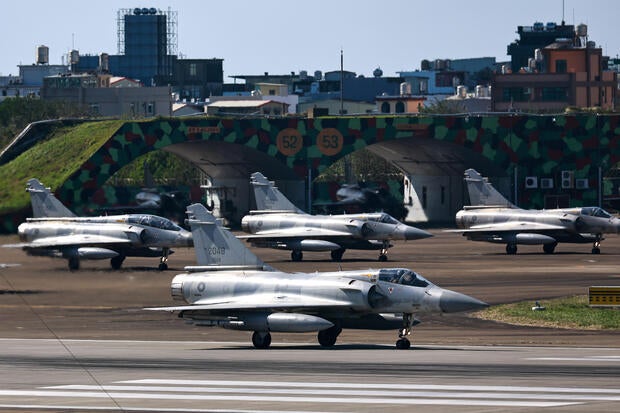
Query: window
point(400, 107)
point(192, 69)
point(385, 107)
point(560, 66)
point(554, 94)
point(516, 94)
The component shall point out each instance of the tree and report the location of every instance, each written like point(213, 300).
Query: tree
point(17, 113)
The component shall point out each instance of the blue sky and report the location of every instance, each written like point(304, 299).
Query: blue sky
point(281, 36)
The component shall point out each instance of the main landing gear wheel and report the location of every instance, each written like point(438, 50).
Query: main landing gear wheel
point(549, 248)
point(596, 247)
point(296, 255)
point(261, 339)
point(403, 342)
point(511, 249)
point(337, 254)
point(383, 257)
point(328, 337)
point(163, 261)
point(117, 261)
point(74, 263)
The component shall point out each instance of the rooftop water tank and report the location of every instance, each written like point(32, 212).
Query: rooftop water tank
point(461, 91)
point(582, 30)
point(425, 65)
point(538, 56)
point(377, 72)
point(74, 57)
point(43, 55)
point(104, 62)
point(405, 89)
point(482, 91)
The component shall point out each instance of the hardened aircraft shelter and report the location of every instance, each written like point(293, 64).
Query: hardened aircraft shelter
point(537, 158)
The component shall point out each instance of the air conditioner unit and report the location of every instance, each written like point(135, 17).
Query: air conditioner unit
point(531, 182)
point(568, 179)
point(582, 183)
point(546, 183)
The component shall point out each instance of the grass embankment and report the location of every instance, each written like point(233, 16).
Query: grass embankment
point(570, 312)
point(52, 161)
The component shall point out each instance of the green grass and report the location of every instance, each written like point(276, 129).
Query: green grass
point(52, 161)
point(569, 312)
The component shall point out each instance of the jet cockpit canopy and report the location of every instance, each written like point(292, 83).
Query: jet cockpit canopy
point(595, 212)
point(153, 221)
point(403, 276)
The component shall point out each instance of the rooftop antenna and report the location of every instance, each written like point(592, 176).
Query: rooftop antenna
point(562, 12)
point(341, 82)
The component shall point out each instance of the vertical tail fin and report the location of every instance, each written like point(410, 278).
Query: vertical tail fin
point(268, 196)
point(482, 193)
point(44, 203)
point(215, 245)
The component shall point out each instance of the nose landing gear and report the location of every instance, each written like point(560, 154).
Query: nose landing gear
point(403, 342)
point(384, 250)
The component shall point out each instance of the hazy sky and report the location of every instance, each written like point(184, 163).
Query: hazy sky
point(281, 36)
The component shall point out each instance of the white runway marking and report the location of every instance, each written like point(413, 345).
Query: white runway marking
point(603, 359)
point(396, 394)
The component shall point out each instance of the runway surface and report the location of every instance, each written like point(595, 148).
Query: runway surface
point(80, 341)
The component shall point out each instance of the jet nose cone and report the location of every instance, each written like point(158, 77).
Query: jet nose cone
point(453, 302)
point(410, 233)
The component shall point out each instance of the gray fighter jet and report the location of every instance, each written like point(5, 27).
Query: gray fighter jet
point(280, 224)
point(55, 231)
point(493, 218)
point(232, 288)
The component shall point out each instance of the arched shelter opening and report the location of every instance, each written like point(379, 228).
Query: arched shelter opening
point(227, 168)
point(431, 175)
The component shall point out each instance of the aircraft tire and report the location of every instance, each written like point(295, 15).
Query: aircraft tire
point(117, 262)
point(328, 337)
point(337, 254)
point(261, 339)
point(511, 249)
point(596, 250)
point(74, 263)
point(383, 258)
point(162, 266)
point(403, 343)
point(297, 255)
point(549, 248)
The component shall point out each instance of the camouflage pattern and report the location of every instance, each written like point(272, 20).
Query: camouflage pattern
point(539, 145)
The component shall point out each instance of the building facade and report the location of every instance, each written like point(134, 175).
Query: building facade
point(566, 75)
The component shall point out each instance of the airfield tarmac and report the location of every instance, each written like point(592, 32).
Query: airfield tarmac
point(79, 341)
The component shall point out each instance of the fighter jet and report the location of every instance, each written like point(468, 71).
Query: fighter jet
point(493, 218)
point(232, 288)
point(280, 224)
point(55, 231)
